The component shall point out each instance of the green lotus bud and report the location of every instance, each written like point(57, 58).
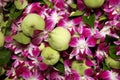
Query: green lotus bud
point(21, 38)
point(32, 22)
point(20, 5)
point(79, 66)
point(94, 3)
point(112, 63)
point(59, 38)
point(1, 39)
point(50, 56)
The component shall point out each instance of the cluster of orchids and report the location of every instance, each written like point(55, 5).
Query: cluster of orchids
point(59, 39)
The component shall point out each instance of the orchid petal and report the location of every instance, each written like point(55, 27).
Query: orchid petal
point(91, 41)
point(73, 42)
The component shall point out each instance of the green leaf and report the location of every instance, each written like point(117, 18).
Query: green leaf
point(12, 9)
point(102, 18)
point(73, 5)
point(76, 13)
point(17, 14)
point(89, 20)
point(112, 52)
point(105, 67)
point(60, 67)
point(47, 2)
point(109, 39)
point(112, 63)
point(21, 38)
point(4, 56)
point(14, 13)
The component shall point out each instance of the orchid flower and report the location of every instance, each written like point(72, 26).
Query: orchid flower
point(81, 46)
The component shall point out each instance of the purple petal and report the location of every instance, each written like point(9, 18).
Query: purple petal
point(88, 52)
point(80, 5)
point(117, 42)
point(49, 24)
point(118, 53)
point(118, 25)
point(114, 2)
point(89, 72)
point(73, 42)
point(89, 78)
point(74, 53)
point(80, 29)
point(59, 3)
point(77, 20)
point(61, 22)
point(91, 41)
point(33, 8)
point(80, 56)
point(8, 39)
point(75, 75)
point(86, 32)
point(26, 74)
point(35, 52)
point(104, 75)
point(37, 40)
point(24, 53)
point(89, 62)
point(43, 66)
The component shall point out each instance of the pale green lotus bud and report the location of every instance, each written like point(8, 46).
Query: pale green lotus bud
point(112, 63)
point(94, 3)
point(79, 66)
point(32, 22)
point(59, 38)
point(20, 5)
point(21, 38)
point(1, 39)
point(50, 56)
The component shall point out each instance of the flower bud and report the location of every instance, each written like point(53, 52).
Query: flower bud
point(59, 38)
point(32, 22)
point(1, 39)
point(112, 63)
point(80, 67)
point(20, 4)
point(94, 3)
point(50, 56)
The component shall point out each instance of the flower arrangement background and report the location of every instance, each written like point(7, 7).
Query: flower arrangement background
point(59, 40)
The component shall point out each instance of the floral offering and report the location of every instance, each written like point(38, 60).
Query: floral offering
point(59, 39)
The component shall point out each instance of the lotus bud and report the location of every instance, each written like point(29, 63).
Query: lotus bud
point(32, 22)
point(59, 38)
point(1, 39)
point(94, 3)
point(50, 56)
point(112, 63)
point(79, 66)
point(21, 38)
point(20, 4)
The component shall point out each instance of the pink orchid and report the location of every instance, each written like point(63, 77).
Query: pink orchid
point(81, 46)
